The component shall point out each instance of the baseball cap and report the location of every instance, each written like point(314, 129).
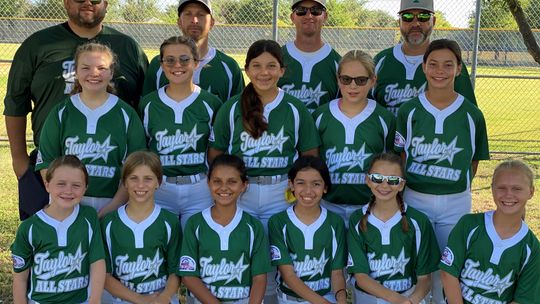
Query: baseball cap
point(426, 5)
point(296, 2)
point(205, 3)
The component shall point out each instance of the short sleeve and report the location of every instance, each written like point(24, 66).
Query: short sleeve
point(105, 224)
point(279, 252)
point(527, 285)
point(96, 250)
point(150, 83)
point(174, 246)
point(357, 261)
point(189, 252)
point(341, 251)
point(50, 145)
point(463, 85)
point(308, 137)
point(481, 140)
point(401, 130)
point(428, 253)
point(21, 249)
point(238, 80)
point(221, 131)
point(453, 256)
point(18, 96)
point(135, 134)
point(260, 260)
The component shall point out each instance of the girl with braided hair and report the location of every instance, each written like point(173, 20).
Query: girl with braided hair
point(392, 247)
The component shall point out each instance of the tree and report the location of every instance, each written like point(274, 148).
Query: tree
point(524, 29)
point(378, 18)
point(441, 21)
point(139, 10)
point(13, 8)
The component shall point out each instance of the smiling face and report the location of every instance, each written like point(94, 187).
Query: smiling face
point(66, 187)
point(181, 71)
point(93, 71)
point(352, 92)
point(384, 191)
point(84, 13)
point(441, 68)
point(226, 185)
point(308, 25)
point(264, 72)
point(511, 189)
point(195, 21)
point(308, 187)
point(141, 184)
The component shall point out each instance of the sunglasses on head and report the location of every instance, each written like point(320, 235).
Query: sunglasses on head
point(93, 2)
point(421, 17)
point(360, 80)
point(171, 61)
point(314, 10)
point(390, 179)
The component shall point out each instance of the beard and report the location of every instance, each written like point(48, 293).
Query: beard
point(88, 21)
point(416, 36)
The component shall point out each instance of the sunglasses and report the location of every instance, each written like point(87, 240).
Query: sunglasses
point(94, 2)
point(314, 10)
point(421, 17)
point(391, 180)
point(360, 80)
point(171, 61)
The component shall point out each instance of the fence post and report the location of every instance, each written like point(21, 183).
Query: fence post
point(275, 20)
point(476, 40)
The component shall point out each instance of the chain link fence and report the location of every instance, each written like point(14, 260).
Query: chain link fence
point(506, 79)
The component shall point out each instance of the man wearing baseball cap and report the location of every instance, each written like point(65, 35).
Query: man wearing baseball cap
point(399, 69)
point(217, 73)
point(311, 63)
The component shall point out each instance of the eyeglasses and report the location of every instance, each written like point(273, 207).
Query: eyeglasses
point(171, 61)
point(360, 80)
point(314, 10)
point(421, 17)
point(93, 2)
point(391, 180)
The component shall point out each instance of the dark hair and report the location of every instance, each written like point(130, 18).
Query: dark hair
point(184, 40)
point(69, 161)
point(252, 107)
point(444, 44)
point(94, 47)
point(229, 160)
point(142, 158)
point(311, 162)
point(395, 160)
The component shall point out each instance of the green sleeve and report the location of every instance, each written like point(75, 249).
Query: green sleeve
point(308, 135)
point(136, 138)
point(97, 251)
point(150, 78)
point(21, 250)
point(104, 223)
point(357, 262)
point(50, 142)
point(341, 252)
point(260, 258)
point(174, 245)
point(279, 252)
point(18, 100)
point(453, 256)
point(220, 135)
point(401, 129)
point(189, 252)
point(391, 122)
point(428, 254)
point(482, 146)
point(238, 80)
point(528, 284)
point(463, 85)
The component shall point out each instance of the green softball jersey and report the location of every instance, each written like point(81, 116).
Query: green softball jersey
point(43, 71)
point(226, 258)
point(178, 131)
point(388, 254)
point(490, 269)
point(142, 255)
point(310, 77)
point(290, 130)
point(58, 255)
point(313, 250)
point(101, 138)
point(348, 146)
point(217, 73)
point(440, 145)
point(400, 79)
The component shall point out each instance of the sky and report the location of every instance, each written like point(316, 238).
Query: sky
point(457, 12)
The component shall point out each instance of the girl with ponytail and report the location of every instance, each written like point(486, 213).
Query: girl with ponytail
point(392, 247)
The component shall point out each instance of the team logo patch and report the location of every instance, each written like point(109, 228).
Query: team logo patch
point(350, 262)
point(18, 262)
point(187, 263)
point(399, 140)
point(275, 253)
point(447, 257)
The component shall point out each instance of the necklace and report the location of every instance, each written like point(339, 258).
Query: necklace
point(411, 60)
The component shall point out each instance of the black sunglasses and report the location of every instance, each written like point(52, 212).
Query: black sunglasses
point(314, 10)
point(421, 17)
point(390, 179)
point(360, 80)
point(94, 2)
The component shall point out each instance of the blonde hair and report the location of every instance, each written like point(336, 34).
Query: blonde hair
point(515, 164)
point(94, 47)
point(360, 56)
point(142, 158)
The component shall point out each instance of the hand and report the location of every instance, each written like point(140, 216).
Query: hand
point(20, 165)
point(161, 299)
point(147, 299)
point(406, 301)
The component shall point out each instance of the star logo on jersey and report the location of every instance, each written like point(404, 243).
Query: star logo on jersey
point(224, 271)
point(310, 266)
point(488, 280)
point(435, 150)
point(89, 149)
point(347, 158)
point(307, 95)
point(165, 144)
point(127, 270)
point(387, 265)
point(68, 73)
point(267, 142)
point(46, 268)
point(394, 96)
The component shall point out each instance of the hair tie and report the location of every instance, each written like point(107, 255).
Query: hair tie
point(404, 213)
point(368, 212)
